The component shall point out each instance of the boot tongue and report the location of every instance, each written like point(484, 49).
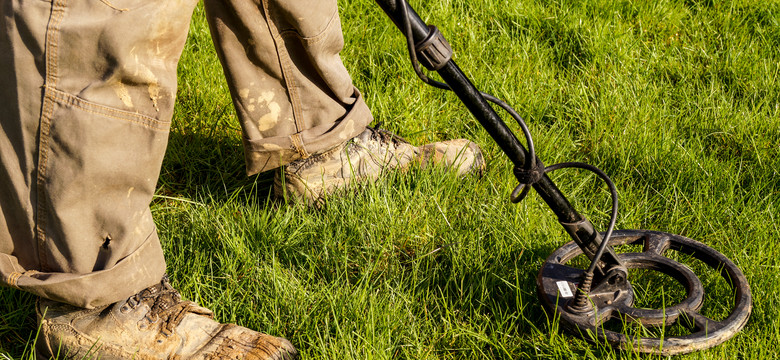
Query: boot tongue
point(384, 136)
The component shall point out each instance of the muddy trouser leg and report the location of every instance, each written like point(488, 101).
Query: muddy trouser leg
point(292, 93)
point(87, 90)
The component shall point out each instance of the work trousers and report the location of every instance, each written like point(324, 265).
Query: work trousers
point(87, 90)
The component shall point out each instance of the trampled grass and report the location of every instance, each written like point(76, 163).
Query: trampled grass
point(678, 101)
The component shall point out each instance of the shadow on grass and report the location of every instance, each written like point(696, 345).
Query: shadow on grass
point(17, 321)
point(196, 165)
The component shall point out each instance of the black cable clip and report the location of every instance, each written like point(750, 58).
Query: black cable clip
point(434, 51)
point(527, 176)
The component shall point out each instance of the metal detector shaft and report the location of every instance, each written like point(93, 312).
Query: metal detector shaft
point(578, 227)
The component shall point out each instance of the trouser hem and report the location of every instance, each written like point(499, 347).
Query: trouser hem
point(139, 270)
point(270, 153)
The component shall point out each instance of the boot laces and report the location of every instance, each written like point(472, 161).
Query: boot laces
point(164, 303)
point(385, 136)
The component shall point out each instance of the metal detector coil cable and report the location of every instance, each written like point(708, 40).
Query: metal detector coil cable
point(533, 169)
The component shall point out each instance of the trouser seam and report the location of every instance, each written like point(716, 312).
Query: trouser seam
point(287, 75)
point(52, 65)
point(297, 143)
point(13, 280)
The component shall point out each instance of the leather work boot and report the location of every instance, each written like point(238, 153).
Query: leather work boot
point(153, 324)
point(366, 157)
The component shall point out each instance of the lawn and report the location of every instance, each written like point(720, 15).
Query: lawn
point(678, 101)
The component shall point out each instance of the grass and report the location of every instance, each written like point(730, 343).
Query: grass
point(678, 101)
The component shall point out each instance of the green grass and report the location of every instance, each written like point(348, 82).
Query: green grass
point(678, 101)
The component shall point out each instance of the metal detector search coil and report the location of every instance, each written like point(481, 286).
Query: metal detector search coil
point(613, 301)
point(603, 291)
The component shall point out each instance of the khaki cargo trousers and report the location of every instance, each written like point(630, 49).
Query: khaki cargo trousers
point(88, 89)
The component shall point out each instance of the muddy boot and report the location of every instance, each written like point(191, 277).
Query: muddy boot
point(153, 324)
point(366, 157)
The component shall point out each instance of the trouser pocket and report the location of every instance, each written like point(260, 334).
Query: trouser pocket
point(97, 173)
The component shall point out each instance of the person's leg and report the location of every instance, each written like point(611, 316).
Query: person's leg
point(88, 94)
point(297, 104)
point(88, 89)
point(292, 94)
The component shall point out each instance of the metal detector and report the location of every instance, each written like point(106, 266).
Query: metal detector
point(586, 299)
